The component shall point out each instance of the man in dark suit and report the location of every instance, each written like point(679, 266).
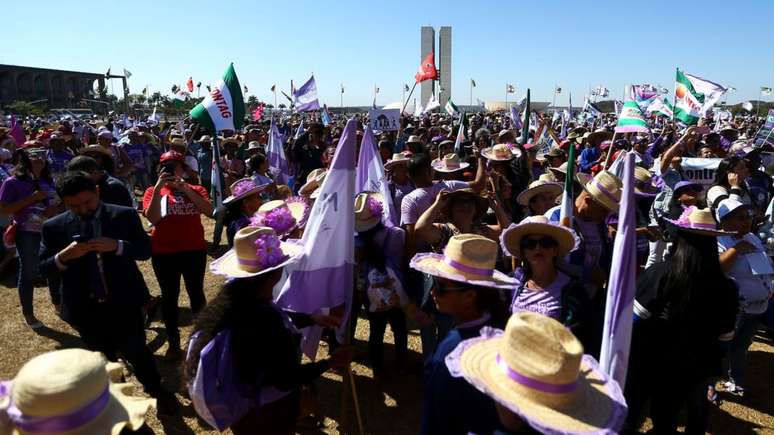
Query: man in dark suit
point(111, 189)
point(94, 247)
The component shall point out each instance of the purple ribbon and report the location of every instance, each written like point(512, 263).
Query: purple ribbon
point(605, 191)
point(534, 383)
point(468, 269)
point(57, 423)
point(702, 226)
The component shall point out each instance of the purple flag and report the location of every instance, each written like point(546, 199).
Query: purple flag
point(16, 132)
point(617, 335)
point(275, 154)
point(305, 97)
point(323, 278)
point(370, 175)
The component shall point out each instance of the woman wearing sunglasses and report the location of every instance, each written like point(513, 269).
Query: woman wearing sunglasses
point(541, 287)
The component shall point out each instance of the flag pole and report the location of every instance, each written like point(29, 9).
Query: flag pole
point(471, 92)
point(506, 96)
point(609, 151)
point(409, 97)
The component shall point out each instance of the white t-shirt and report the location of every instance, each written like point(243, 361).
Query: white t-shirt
point(754, 288)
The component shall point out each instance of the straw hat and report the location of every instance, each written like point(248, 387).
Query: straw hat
point(414, 139)
point(536, 368)
point(397, 159)
point(467, 258)
point(510, 239)
point(559, 170)
point(96, 149)
point(256, 250)
point(241, 189)
point(481, 203)
point(70, 391)
point(500, 152)
point(369, 207)
point(282, 216)
point(698, 221)
point(313, 181)
point(179, 142)
point(598, 136)
point(537, 187)
point(644, 182)
point(605, 188)
point(449, 163)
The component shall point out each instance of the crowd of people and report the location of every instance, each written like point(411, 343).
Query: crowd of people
point(509, 300)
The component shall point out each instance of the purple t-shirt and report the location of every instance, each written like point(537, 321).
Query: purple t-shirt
point(421, 198)
point(547, 301)
point(29, 218)
point(399, 191)
point(137, 153)
point(57, 161)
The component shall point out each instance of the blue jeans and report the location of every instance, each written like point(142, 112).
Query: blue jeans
point(28, 248)
point(746, 325)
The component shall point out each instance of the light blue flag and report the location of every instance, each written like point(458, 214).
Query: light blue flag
point(617, 335)
point(324, 277)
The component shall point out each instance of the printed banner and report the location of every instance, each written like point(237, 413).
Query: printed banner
point(698, 170)
point(765, 134)
point(384, 119)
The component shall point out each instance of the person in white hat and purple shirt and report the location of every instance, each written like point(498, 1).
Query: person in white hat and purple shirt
point(743, 258)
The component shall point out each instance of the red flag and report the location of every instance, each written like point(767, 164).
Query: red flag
point(189, 84)
point(427, 69)
point(258, 113)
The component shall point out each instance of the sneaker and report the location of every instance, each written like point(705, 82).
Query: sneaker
point(734, 389)
point(33, 322)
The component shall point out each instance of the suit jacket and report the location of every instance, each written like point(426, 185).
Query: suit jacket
point(126, 287)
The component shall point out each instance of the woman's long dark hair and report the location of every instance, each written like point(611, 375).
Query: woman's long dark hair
point(726, 165)
point(694, 272)
point(373, 253)
point(233, 307)
point(23, 169)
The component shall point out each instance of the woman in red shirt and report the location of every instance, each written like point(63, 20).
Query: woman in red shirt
point(174, 207)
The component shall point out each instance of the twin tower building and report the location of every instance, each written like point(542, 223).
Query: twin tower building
point(442, 62)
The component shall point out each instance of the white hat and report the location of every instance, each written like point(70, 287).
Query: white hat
point(728, 206)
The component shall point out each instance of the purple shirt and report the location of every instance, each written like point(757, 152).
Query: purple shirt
point(29, 218)
point(420, 199)
point(399, 191)
point(57, 161)
point(137, 154)
point(547, 301)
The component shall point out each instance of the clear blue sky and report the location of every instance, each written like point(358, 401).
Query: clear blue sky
point(535, 44)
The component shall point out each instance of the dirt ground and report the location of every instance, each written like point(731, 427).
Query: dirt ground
point(388, 405)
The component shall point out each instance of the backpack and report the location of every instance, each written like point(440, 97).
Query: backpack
point(217, 393)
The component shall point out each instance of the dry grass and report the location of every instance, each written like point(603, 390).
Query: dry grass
point(390, 405)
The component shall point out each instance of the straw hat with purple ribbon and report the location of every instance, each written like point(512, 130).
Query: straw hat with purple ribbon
point(369, 208)
point(541, 185)
point(73, 392)
point(536, 369)
point(510, 239)
point(604, 188)
point(241, 189)
point(698, 221)
point(449, 163)
point(283, 216)
point(397, 159)
point(467, 258)
point(256, 250)
point(645, 183)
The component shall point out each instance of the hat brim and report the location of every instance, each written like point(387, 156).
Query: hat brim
point(488, 153)
point(437, 166)
point(565, 238)
point(700, 231)
point(243, 195)
point(227, 264)
point(433, 264)
point(598, 405)
point(393, 163)
point(299, 209)
point(526, 195)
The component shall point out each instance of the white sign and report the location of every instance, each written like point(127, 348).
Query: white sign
point(384, 119)
point(700, 171)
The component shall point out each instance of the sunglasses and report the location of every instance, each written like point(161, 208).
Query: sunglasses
point(443, 287)
point(544, 242)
